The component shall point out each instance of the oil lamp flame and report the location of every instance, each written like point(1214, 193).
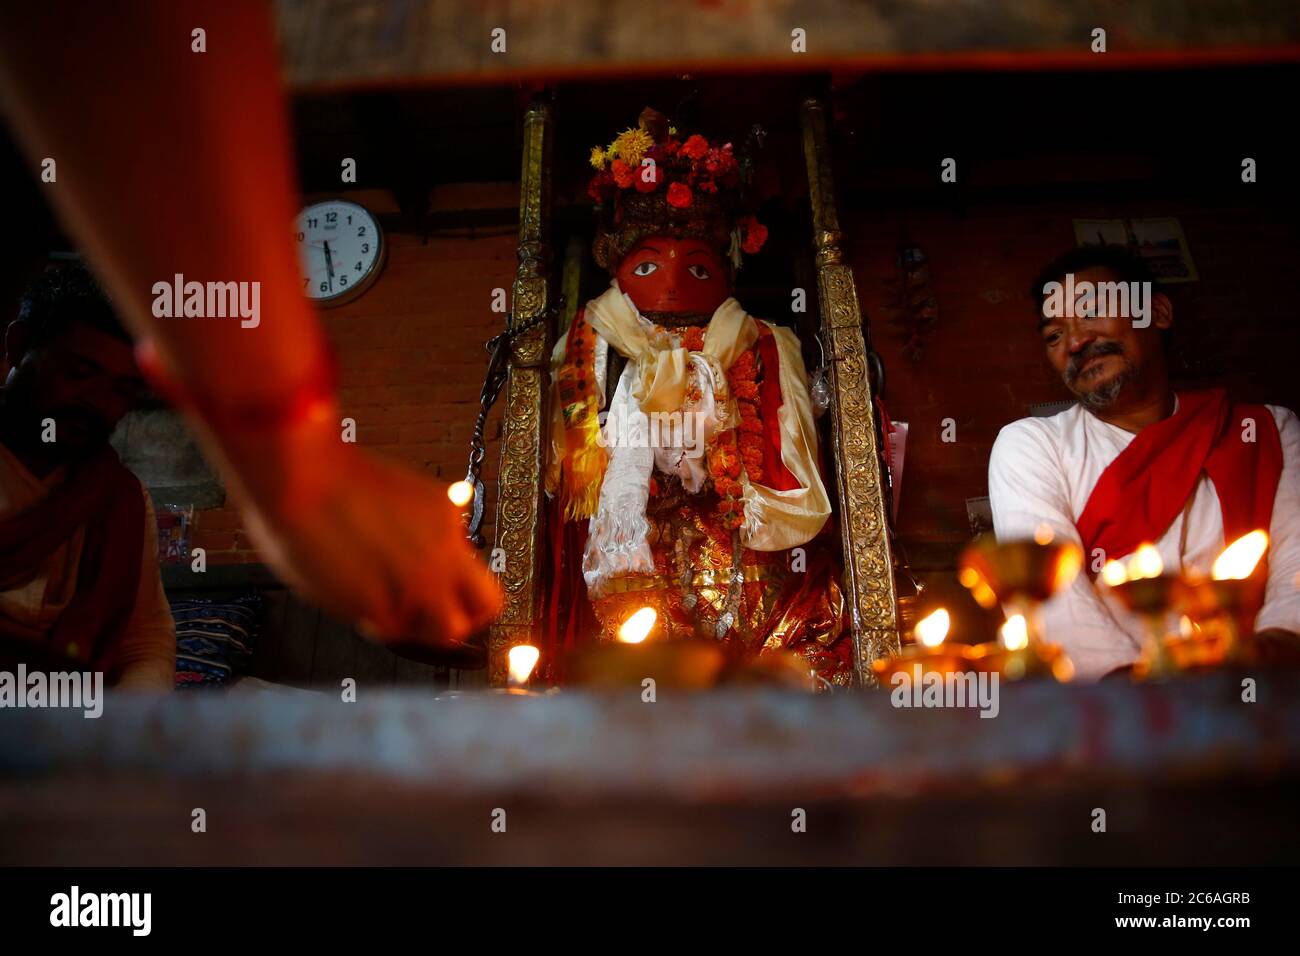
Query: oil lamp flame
point(1145, 563)
point(1114, 573)
point(930, 631)
point(461, 493)
point(1239, 558)
point(522, 659)
point(1015, 633)
point(637, 627)
point(1044, 534)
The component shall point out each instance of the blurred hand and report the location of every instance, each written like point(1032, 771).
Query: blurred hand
point(369, 540)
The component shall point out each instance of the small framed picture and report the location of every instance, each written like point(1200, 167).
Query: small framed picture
point(979, 515)
point(1159, 242)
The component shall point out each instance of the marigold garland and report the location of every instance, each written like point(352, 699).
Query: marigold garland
point(738, 452)
point(693, 338)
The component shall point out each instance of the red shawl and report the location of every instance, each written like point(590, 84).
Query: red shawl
point(105, 499)
point(1143, 490)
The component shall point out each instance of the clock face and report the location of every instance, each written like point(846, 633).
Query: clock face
point(340, 248)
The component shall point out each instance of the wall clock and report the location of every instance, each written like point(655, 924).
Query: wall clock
point(341, 250)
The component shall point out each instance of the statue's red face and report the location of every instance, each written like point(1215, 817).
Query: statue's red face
point(662, 274)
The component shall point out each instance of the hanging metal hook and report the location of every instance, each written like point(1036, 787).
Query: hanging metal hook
point(498, 370)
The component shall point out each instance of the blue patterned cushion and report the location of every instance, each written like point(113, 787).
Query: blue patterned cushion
point(214, 639)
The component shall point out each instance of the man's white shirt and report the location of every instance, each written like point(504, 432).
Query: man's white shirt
point(1043, 470)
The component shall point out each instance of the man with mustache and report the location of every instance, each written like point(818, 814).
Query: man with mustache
point(79, 583)
point(1136, 461)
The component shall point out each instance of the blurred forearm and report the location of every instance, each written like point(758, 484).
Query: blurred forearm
point(170, 161)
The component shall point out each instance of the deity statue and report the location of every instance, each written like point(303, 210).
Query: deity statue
point(683, 462)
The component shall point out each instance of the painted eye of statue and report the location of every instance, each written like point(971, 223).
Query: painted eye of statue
point(700, 272)
point(645, 268)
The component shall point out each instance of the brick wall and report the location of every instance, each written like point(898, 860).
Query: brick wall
point(411, 365)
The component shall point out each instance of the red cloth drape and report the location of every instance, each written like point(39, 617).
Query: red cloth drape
point(105, 499)
point(1143, 490)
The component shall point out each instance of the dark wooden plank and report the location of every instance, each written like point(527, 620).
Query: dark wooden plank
point(266, 652)
point(468, 679)
point(298, 642)
point(414, 673)
point(336, 653)
point(375, 665)
point(359, 43)
point(251, 577)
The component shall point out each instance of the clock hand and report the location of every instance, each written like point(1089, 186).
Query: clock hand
point(329, 260)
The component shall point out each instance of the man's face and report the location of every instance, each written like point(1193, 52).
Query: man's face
point(85, 380)
point(1099, 356)
point(662, 274)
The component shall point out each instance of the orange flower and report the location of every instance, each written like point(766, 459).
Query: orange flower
point(695, 147)
point(679, 194)
point(623, 173)
point(647, 178)
point(743, 366)
point(755, 234)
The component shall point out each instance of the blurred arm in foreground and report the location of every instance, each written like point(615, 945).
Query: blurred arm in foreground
point(175, 162)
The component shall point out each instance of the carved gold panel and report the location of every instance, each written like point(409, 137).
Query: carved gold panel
point(519, 498)
point(868, 557)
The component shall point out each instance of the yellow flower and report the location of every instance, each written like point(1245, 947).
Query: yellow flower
point(597, 158)
point(632, 144)
point(672, 131)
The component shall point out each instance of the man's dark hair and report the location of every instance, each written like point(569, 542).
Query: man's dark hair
point(64, 294)
point(1123, 264)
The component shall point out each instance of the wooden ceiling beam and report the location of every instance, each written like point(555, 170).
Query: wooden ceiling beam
point(357, 44)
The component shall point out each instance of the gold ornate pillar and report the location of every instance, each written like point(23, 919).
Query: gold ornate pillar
point(868, 557)
point(519, 495)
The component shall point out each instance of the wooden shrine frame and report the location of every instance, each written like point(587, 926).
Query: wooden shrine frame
point(862, 492)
